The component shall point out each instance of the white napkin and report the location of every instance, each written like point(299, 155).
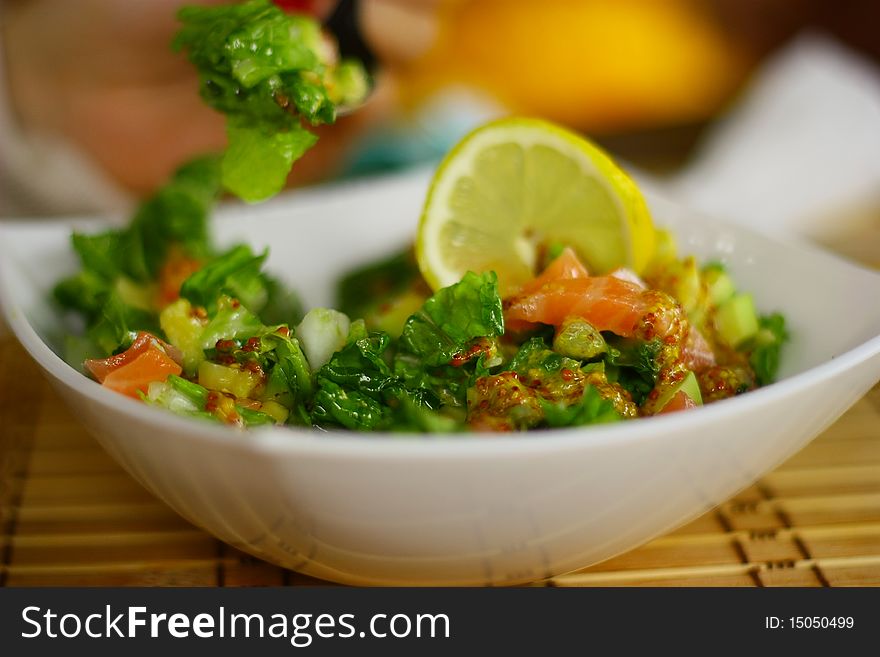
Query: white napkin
point(802, 143)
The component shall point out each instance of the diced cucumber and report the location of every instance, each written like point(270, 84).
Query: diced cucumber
point(577, 338)
point(736, 320)
point(240, 383)
point(688, 385)
point(719, 285)
point(691, 387)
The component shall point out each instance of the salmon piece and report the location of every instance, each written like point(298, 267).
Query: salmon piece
point(101, 367)
point(566, 266)
point(606, 302)
point(697, 353)
point(151, 365)
point(619, 303)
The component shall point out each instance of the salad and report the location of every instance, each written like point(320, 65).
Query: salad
point(538, 293)
point(201, 332)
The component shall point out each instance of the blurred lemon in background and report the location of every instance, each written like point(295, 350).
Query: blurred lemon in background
point(596, 65)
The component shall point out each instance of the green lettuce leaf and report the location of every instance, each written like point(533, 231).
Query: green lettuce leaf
point(361, 366)
point(117, 324)
point(176, 214)
point(334, 405)
point(241, 51)
point(291, 363)
point(453, 317)
point(357, 389)
point(229, 274)
point(257, 160)
point(100, 254)
point(634, 365)
point(355, 386)
point(232, 320)
point(447, 383)
point(84, 292)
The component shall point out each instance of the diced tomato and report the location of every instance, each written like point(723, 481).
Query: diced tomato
point(151, 365)
point(566, 266)
point(698, 355)
point(679, 402)
point(101, 367)
point(608, 303)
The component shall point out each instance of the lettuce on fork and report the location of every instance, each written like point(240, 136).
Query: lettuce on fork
point(272, 74)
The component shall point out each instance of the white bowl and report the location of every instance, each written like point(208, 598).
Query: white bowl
point(382, 509)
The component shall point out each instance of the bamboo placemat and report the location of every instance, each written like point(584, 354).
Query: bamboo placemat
point(70, 516)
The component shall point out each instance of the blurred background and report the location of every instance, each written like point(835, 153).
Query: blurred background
point(644, 76)
point(97, 111)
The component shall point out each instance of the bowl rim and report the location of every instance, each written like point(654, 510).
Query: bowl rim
point(367, 445)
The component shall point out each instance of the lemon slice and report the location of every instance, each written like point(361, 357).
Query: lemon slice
point(516, 185)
